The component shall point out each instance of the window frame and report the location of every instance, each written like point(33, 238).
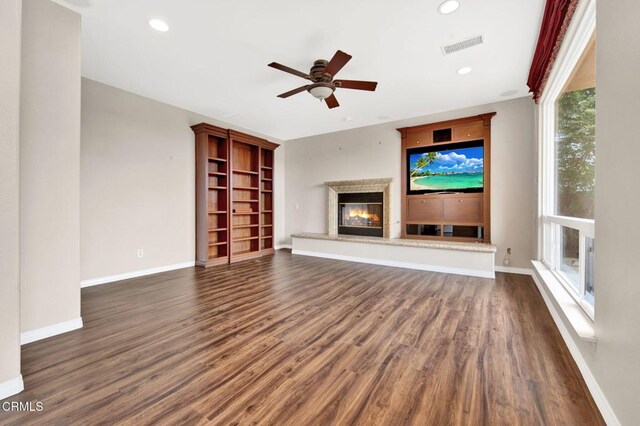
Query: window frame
point(575, 43)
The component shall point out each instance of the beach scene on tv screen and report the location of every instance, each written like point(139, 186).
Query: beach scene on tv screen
point(447, 170)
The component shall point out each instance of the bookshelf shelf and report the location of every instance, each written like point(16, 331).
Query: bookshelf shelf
point(245, 239)
point(218, 243)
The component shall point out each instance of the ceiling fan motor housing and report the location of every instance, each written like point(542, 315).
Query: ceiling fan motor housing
point(317, 71)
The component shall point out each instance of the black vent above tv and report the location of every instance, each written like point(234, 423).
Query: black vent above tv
point(442, 135)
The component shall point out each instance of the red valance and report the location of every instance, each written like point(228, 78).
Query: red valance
point(557, 15)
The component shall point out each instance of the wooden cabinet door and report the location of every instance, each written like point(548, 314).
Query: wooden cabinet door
point(426, 210)
point(463, 209)
point(418, 139)
point(468, 132)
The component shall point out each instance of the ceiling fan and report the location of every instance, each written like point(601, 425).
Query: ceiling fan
point(321, 75)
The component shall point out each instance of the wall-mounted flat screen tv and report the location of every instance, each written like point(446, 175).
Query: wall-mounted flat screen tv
point(451, 168)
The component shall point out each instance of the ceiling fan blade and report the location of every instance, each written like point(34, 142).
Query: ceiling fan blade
point(293, 92)
point(356, 84)
point(289, 70)
point(331, 101)
point(336, 63)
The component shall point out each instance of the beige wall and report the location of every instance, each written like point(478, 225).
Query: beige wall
point(374, 152)
point(9, 190)
point(138, 182)
point(615, 361)
point(50, 165)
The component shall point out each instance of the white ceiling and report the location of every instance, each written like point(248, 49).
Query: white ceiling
point(214, 58)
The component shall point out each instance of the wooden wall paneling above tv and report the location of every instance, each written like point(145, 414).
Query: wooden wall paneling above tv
point(231, 200)
point(446, 180)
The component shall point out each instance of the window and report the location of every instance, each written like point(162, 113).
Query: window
point(568, 126)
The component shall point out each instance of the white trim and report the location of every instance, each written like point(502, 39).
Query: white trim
point(513, 270)
point(576, 40)
point(596, 392)
point(396, 264)
point(49, 331)
point(11, 387)
point(134, 274)
point(581, 323)
point(284, 246)
point(587, 227)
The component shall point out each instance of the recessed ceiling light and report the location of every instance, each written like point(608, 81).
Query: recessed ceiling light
point(464, 70)
point(159, 25)
point(448, 6)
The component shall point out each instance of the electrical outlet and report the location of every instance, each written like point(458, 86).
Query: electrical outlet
point(140, 253)
point(507, 258)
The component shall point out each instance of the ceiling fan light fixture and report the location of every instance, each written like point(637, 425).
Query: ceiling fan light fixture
point(321, 91)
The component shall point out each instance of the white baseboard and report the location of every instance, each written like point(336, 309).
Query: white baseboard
point(11, 387)
point(134, 274)
point(51, 330)
point(396, 264)
point(284, 246)
point(513, 270)
point(597, 394)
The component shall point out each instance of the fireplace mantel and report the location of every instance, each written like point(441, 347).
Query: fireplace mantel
point(355, 186)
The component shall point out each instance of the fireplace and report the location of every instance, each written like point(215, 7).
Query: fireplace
point(360, 214)
point(359, 207)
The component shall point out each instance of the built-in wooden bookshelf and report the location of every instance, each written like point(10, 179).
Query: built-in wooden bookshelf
point(246, 200)
point(234, 195)
point(212, 195)
point(266, 199)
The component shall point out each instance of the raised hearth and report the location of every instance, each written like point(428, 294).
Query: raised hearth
point(473, 259)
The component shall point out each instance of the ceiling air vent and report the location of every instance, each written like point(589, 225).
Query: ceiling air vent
point(464, 44)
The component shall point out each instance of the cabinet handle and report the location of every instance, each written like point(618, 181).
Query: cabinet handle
point(459, 201)
point(422, 201)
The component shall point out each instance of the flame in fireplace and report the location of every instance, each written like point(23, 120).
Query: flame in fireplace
point(363, 214)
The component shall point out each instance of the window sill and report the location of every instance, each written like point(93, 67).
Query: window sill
point(579, 320)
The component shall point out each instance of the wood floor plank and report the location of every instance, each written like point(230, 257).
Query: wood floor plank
point(297, 340)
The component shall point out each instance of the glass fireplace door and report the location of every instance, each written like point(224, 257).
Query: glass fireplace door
point(360, 215)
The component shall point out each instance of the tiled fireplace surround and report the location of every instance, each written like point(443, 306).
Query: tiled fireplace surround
point(358, 186)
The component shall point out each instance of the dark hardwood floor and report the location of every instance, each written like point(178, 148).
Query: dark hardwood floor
point(300, 340)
